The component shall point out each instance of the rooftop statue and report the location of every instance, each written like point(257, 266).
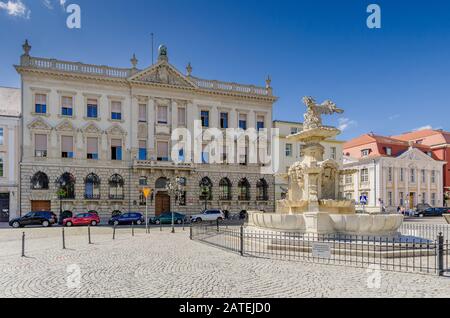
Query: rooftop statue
point(313, 115)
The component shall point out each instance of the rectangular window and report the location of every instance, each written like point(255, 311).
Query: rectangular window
point(413, 175)
point(116, 110)
point(142, 150)
point(364, 175)
point(243, 121)
point(92, 148)
point(243, 156)
point(288, 150)
point(390, 174)
point(294, 130)
point(116, 149)
point(67, 147)
point(162, 115)
point(92, 108)
point(388, 151)
point(40, 106)
point(224, 120)
point(402, 176)
point(40, 145)
point(260, 123)
point(142, 113)
point(67, 106)
point(433, 176)
point(401, 198)
point(423, 176)
point(181, 116)
point(204, 116)
point(424, 197)
point(333, 153)
point(162, 151)
point(365, 152)
point(1, 167)
point(433, 199)
point(390, 198)
point(348, 179)
point(1, 136)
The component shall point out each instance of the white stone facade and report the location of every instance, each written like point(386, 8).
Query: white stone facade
point(333, 150)
point(392, 182)
point(9, 152)
point(106, 121)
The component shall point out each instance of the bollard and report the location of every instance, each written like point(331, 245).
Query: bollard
point(63, 239)
point(89, 234)
point(190, 231)
point(132, 228)
point(114, 232)
point(183, 224)
point(160, 226)
point(217, 224)
point(23, 244)
point(440, 255)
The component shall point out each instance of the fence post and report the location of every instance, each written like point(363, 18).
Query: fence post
point(160, 226)
point(89, 234)
point(242, 240)
point(63, 239)
point(217, 224)
point(190, 232)
point(440, 256)
point(114, 232)
point(183, 224)
point(23, 244)
point(132, 228)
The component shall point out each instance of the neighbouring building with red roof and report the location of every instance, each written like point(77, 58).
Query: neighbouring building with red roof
point(439, 142)
point(392, 173)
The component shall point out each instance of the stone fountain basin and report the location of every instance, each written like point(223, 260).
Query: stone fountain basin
point(325, 223)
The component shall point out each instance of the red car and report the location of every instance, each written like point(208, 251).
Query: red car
point(82, 219)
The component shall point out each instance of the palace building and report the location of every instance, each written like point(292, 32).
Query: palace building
point(95, 136)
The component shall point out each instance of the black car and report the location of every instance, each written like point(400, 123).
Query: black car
point(431, 212)
point(45, 219)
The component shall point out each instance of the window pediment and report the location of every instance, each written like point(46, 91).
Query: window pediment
point(39, 124)
point(116, 130)
point(65, 126)
point(92, 128)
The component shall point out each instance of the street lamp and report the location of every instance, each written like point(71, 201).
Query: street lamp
point(176, 190)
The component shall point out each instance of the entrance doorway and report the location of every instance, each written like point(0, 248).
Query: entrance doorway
point(412, 200)
point(162, 203)
point(4, 207)
point(38, 206)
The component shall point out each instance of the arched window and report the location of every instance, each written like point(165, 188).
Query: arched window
point(66, 186)
point(161, 183)
point(92, 187)
point(116, 184)
point(225, 189)
point(206, 189)
point(39, 181)
point(262, 190)
point(244, 190)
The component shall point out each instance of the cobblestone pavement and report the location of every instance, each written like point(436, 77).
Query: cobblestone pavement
point(162, 264)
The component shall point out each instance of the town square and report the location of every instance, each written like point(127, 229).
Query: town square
point(274, 163)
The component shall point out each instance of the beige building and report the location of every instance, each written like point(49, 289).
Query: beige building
point(9, 152)
point(291, 152)
point(94, 136)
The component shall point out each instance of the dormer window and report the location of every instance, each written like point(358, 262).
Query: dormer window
point(388, 151)
point(365, 152)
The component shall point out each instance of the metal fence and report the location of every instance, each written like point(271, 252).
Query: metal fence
point(421, 249)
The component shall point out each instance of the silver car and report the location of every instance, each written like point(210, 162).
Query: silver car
point(208, 215)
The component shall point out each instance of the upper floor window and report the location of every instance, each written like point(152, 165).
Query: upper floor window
point(333, 153)
point(364, 175)
point(142, 149)
point(413, 175)
point(260, 123)
point(143, 181)
point(142, 113)
point(348, 179)
point(423, 176)
point(92, 148)
point(433, 176)
point(92, 108)
point(288, 150)
point(162, 115)
point(162, 151)
point(116, 149)
point(40, 147)
point(181, 116)
point(365, 152)
point(116, 110)
point(243, 121)
point(1, 136)
point(204, 116)
point(1, 167)
point(67, 106)
point(294, 130)
point(40, 105)
point(224, 120)
point(388, 151)
point(390, 174)
point(402, 174)
point(67, 146)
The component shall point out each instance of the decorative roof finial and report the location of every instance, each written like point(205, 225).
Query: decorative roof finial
point(189, 69)
point(26, 48)
point(162, 53)
point(268, 81)
point(134, 61)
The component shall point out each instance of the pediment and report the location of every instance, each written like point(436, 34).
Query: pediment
point(39, 124)
point(162, 73)
point(116, 130)
point(415, 154)
point(92, 128)
point(65, 126)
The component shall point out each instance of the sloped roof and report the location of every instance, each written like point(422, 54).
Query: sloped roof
point(439, 136)
point(372, 138)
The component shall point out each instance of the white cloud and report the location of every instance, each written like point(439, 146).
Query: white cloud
point(15, 8)
point(345, 123)
point(393, 117)
point(426, 128)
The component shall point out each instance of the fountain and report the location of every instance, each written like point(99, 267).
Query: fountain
point(312, 204)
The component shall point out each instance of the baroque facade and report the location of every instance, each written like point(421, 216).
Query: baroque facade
point(9, 152)
point(95, 136)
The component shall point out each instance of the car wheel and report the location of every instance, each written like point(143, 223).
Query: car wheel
point(116, 222)
point(179, 221)
point(219, 219)
point(421, 215)
point(46, 223)
point(199, 220)
point(16, 225)
point(157, 222)
point(69, 224)
point(139, 222)
point(94, 223)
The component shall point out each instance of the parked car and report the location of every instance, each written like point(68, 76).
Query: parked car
point(82, 219)
point(127, 218)
point(166, 218)
point(423, 206)
point(43, 218)
point(431, 212)
point(208, 215)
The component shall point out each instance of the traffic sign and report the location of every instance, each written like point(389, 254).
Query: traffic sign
point(147, 192)
point(363, 199)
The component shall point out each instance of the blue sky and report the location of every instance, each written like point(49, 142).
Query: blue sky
point(390, 80)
